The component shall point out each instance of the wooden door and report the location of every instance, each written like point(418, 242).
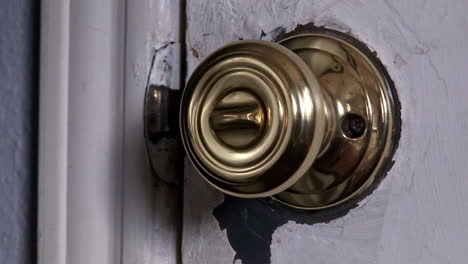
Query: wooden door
point(418, 213)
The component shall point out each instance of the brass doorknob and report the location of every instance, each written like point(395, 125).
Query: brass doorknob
point(309, 120)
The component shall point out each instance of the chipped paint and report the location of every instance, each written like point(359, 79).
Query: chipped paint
point(165, 66)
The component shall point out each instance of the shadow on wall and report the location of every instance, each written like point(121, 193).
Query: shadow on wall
point(19, 90)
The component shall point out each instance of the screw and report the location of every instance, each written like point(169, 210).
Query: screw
point(353, 125)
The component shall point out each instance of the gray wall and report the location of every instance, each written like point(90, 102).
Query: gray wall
point(19, 47)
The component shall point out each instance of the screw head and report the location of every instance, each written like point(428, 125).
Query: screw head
point(353, 125)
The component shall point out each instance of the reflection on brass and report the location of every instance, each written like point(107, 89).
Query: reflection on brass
point(238, 119)
point(282, 123)
point(308, 120)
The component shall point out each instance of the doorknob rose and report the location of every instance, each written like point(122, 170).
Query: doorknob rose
point(309, 120)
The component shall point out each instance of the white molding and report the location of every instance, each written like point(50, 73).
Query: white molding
point(81, 131)
point(98, 201)
point(53, 119)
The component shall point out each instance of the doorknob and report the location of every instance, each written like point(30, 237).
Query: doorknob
point(309, 120)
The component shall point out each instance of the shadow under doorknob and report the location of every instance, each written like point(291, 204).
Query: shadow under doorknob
point(309, 120)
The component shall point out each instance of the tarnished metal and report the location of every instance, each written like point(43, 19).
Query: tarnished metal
point(162, 131)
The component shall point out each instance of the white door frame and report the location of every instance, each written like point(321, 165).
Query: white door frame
point(97, 202)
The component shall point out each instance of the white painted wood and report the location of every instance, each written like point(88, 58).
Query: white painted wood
point(420, 211)
point(81, 131)
point(53, 130)
point(151, 208)
point(98, 201)
point(95, 131)
point(203, 241)
point(91, 132)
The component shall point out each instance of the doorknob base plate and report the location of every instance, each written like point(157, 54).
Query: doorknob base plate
point(362, 122)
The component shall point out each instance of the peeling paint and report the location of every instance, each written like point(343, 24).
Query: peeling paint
point(272, 35)
point(251, 223)
point(165, 70)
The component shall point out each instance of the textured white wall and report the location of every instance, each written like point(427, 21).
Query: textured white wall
point(419, 212)
point(18, 122)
